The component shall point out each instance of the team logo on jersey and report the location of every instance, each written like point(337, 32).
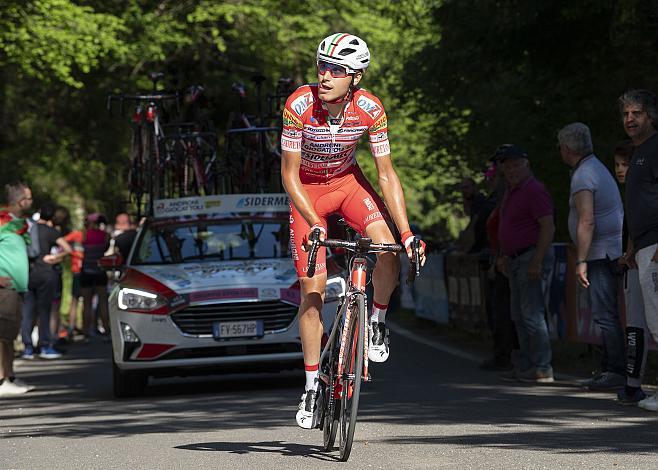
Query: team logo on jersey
point(369, 204)
point(302, 103)
point(381, 124)
point(369, 106)
point(289, 119)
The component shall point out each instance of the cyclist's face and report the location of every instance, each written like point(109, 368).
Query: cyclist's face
point(334, 81)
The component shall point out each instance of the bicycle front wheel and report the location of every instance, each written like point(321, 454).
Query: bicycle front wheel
point(351, 379)
point(331, 404)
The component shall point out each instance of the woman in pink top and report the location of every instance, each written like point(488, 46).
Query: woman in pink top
point(93, 280)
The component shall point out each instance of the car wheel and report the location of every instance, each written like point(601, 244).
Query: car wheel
point(127, 383)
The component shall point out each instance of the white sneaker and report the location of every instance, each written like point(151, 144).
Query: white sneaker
point(306, 415)
point(21, 383)
point(9, 389)
point(649, 403)
point(378, 350)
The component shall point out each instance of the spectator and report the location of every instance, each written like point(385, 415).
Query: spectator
point(124, 234)
point(471, 196)
point(76, 239)
point(57, 218)
point(502, 327)
point(93, 280)
point(473, 238)
point(13, 282)
point(42, 287)
point(637, 335)
point(525, 234)
point(639, 112)
point(595, 225)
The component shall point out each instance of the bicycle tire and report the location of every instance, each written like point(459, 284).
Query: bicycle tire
point(352, 374)
point(331, 411)
point(135, 171)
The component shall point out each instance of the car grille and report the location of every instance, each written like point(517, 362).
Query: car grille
point(226, 351)
point(198, 319)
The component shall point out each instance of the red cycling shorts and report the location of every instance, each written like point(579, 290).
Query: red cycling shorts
point(349, 195)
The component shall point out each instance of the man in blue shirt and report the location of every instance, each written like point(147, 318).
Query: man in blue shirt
point(596, 217)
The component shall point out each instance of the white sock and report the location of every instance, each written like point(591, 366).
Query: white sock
point(378, 313)
point(312, 373)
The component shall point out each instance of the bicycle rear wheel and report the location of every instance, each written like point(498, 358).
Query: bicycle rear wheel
point(351, 379)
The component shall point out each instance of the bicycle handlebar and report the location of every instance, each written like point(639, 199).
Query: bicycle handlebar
point(121, 97)
point(363, 246)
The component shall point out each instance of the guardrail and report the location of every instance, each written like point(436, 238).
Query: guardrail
point(453, 289)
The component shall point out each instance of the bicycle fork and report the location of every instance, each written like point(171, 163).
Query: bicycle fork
point(358, 281)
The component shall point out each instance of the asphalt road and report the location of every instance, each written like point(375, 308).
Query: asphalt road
point(427, 408)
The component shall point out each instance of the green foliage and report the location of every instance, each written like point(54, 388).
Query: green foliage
point(524, 69)
point(60, 57)
point(57, 39)
point(457, 78)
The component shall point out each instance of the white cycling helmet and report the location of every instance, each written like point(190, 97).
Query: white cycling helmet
point(345, 49)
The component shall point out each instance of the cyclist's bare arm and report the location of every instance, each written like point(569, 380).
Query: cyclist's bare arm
point(392, 192)
point(290, 164)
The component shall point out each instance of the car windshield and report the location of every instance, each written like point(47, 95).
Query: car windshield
point(218, 240)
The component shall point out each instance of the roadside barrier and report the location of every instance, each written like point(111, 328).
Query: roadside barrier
point(454, 288)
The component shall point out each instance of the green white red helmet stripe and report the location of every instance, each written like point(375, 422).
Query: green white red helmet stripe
point(334, 42)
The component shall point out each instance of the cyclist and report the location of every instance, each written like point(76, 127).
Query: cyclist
point(322, 124)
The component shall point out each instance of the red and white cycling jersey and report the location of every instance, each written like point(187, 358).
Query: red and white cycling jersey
point(326, 155)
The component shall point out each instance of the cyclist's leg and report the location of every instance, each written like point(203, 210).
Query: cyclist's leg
point(310, 308)
point(310, 317)
point(387, 269)
point(365, 211)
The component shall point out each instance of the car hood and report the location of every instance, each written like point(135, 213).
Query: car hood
point(222, 280)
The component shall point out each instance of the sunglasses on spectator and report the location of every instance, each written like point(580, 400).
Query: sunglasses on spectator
point(336, 71)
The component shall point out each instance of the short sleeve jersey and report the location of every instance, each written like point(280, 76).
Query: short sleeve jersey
point(326, 155)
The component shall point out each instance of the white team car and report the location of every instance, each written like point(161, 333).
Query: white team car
point(205, 291)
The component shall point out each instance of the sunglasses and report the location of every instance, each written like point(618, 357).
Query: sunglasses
point(336, 71)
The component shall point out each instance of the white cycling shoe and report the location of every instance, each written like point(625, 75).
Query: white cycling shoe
point(378, 351)
point(307, 415)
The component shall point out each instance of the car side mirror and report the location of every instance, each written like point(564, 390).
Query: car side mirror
point(112, 262)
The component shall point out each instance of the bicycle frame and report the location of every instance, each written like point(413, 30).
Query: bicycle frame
point(148, 131)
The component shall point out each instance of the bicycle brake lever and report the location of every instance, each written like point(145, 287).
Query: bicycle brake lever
point(315, 238)
point(414, 269)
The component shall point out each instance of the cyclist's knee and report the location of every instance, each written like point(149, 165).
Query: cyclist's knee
point(312, 293)
point(389, 263)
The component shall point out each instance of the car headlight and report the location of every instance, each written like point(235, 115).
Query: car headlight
point(335, 289)
point(135, 299)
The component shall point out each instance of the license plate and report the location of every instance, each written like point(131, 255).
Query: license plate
point(237, 329)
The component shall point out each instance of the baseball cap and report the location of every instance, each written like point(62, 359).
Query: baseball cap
point(507, 151)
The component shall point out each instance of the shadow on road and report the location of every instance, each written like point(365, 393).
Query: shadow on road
point(272, 447)
point(417, 387)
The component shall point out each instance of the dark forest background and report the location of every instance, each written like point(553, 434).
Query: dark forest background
point(458, 78)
